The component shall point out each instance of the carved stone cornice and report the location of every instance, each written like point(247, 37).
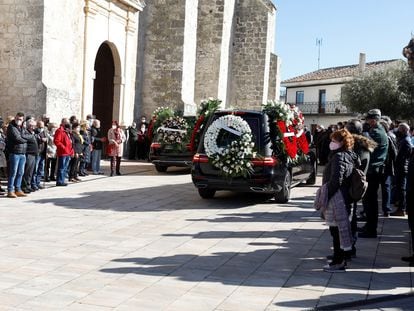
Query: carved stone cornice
point(138, 5)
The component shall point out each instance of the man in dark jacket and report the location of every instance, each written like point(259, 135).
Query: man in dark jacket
point(32, 152)
point(401, 167)
point(16, 146)
point(375, 172)
point(97, 144)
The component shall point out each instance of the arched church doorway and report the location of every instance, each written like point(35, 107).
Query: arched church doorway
point(103, 87)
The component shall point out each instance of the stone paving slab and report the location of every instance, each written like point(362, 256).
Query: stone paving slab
point(147, 241)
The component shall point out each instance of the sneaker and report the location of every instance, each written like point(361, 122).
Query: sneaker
point(20, 194)
point(61, 185)
point(11, 195)
point(335, 267)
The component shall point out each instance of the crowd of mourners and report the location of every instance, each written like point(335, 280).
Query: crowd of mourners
point(36, 151)
point(382, 149)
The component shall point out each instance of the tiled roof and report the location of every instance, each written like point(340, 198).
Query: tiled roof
point(342, 71)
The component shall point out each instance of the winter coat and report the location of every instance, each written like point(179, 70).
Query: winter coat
point(403, 155)
point(337, 172)
point(3, 160)
point(51, 147)
point(86, 146)
point(63, 142)
point(77, 143)
point(32, 143)
point(116, 148)
point(16, 139)
point(96, 135)
point(378, 157)
point(363, 147)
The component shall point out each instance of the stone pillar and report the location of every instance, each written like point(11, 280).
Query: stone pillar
point(226, 51)
point(189, 57)
point(209, 40)
point(162, 63)
point(21, 58)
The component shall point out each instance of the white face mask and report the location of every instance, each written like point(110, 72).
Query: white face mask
point(114, 127)
point(334, 145)
point(19, 122)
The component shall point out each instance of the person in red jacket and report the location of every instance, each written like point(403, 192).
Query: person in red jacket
point(64, 150)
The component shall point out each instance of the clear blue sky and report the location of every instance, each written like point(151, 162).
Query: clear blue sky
point(379, 28)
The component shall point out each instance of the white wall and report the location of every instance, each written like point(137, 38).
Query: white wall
point(311, 93)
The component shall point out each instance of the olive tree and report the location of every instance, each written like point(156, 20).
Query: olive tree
point(392, 91)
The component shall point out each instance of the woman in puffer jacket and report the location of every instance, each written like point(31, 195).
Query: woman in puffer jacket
point(363, 147)
point(336, 179)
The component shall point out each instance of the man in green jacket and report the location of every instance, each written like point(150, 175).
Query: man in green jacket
point(375, 172)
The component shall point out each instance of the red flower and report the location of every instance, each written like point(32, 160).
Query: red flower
point(303, 144)
point(195, 132)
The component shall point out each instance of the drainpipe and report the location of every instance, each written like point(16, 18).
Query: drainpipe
point(85, 32)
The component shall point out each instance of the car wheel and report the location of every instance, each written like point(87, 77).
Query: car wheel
point(206, 193)
point(312, 177)
point(283, 195)
point(161, 168)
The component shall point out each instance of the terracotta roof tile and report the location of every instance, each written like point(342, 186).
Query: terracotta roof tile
point(342, 71)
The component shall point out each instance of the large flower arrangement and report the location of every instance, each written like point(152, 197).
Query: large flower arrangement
point(289, 140)
point(158, 117)
point(234, 159)
point(173, 131)
point(207, 108)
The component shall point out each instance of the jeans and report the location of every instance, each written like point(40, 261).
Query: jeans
point(40, 171)
point(96, 161)
point(371, 201)
point(63, 163)
point(400, 188)
point(386, 194)
point(16, 171)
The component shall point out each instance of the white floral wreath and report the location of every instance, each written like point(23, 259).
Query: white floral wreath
point(234, 159)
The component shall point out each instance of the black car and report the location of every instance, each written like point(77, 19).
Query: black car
point(272, 174)
point(164, 156)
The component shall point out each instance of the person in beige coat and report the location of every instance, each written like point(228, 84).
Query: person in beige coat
point(116, 139)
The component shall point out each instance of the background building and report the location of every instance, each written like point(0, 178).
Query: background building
point(318, 93)
point(119, 59)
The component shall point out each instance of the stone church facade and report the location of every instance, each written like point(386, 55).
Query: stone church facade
point(120, 59)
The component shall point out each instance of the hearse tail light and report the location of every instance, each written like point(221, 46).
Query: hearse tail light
point(266, 161)
point(155, 145)
point(200, 158)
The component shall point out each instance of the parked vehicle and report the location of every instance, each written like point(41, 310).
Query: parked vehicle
point(163, 154)
point(272, 173)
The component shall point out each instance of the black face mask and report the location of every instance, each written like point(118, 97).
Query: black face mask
point(67, 126)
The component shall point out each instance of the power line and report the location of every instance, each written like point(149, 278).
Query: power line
point(319, 44)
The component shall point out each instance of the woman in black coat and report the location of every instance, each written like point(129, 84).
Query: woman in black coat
point(336, 178)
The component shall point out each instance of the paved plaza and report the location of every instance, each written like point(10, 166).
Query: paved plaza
point(147, 241)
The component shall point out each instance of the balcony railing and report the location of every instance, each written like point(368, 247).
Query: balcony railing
point(327, 108)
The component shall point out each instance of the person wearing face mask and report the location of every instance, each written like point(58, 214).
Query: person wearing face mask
point(41, 136)
point(51, 157)
point(64, 150)
point(401, 168)
point(142, 143)
point(116, 139)
point(16, 147)
point(77, 143)
point(132, 141)
point(336, 181)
